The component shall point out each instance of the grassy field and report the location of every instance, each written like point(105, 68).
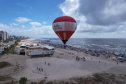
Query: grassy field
point(4, 64)
point(7, 80)
point(3, 78)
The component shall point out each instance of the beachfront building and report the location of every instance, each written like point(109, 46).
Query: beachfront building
point(3, 36)
point(7, 36)
point(39, 50)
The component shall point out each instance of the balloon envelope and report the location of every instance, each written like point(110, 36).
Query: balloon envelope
point(64, 27)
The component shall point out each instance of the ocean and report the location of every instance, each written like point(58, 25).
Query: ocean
point(111, 44)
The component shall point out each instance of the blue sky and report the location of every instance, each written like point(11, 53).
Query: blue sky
point(36, 10)
point(33, 18)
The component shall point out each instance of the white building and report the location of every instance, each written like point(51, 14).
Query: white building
point(3, 36)
point(7, 36)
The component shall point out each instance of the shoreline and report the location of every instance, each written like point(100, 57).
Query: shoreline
point(119, 51)
point(63, 65)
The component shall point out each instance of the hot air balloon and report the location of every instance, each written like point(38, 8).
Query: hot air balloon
point(64, 27)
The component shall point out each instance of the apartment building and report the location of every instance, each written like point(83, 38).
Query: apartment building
point(3, 36)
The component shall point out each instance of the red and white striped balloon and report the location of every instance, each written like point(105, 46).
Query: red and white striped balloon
point(64, 27)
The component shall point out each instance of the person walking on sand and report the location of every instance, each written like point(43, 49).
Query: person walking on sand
point(44, 73)
point(42, 69)
point(117, 62)
point(48, 64)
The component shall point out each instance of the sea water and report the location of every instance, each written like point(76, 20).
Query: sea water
point(111, 44)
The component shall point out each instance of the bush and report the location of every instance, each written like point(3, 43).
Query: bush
point(98, 77)
point(7, 41)
point(23, 80)
point(4, 64)
point(6, 50)
point(13, 52)
point(16, 42)
point(4, 78)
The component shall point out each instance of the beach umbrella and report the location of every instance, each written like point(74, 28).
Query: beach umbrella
point(113, 57)
point(124, 56)
point(119, 57)
point(64, 27)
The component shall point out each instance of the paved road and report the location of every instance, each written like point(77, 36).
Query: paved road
point(5, 45)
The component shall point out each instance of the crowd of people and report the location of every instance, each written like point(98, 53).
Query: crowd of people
point(40, 70)
point(105, 53)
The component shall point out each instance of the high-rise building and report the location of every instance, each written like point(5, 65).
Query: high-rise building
point(7, 36)
point(3, 36)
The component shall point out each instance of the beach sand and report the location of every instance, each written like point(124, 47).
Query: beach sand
point(62, 65)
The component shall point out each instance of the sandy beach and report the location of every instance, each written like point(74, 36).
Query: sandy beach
point(63, 65)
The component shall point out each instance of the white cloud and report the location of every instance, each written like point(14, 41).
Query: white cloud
point(23, 26)
point(114, 8)
point(38, 32)
point(34, 24)
point(22, 19)
point(45, 31)
point(4, 27)
point(14, 24)
point(44, 22)
point(97, 16)
point(70, 8)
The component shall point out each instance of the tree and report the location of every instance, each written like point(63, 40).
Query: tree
point(23, 80)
